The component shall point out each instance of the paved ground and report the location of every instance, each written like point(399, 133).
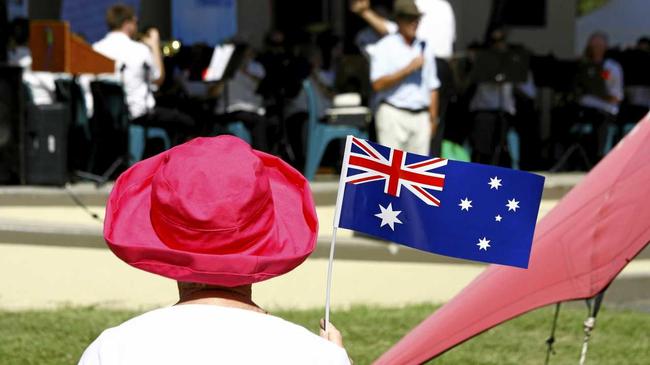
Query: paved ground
point(52, 254)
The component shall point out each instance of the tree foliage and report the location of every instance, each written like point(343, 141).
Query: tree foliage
point(587, 6)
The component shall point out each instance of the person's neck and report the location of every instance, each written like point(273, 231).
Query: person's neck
point(121, 32)
point(239, 297)
point(408, 40)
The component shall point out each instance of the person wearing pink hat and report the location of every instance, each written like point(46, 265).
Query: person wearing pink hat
point(217, 216)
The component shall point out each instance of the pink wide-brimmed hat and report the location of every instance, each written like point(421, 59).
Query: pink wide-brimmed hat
point(212, 211)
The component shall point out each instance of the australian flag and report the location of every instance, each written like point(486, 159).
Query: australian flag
point(459, 209)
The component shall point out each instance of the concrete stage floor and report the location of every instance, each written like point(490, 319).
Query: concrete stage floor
point(52, 254)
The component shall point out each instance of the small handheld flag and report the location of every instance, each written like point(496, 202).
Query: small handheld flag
point(458, 209)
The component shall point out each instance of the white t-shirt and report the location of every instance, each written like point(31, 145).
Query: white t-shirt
point(208, 334)
point(133, 56)
point(392, 54)
point(437, 26)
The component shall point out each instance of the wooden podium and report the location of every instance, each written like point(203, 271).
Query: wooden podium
point(56, 49)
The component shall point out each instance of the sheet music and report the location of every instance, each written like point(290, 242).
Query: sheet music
point(220, 59)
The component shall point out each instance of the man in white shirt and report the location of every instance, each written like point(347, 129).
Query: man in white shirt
point(133, 60)
point(139, 66)
point(437, 29)
point(601, 110)
point(406, 83)
point(437, 26)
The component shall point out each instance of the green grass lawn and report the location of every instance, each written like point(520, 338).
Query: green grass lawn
point(621, 337)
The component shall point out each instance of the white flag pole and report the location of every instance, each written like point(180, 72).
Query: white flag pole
point(337, 216)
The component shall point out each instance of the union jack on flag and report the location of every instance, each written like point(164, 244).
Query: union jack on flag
point(453, 208)
point(396, 173)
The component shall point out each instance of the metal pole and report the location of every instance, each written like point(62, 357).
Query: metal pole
point(551, 339)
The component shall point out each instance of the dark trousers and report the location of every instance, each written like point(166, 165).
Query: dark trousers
point(595, 142)
point(488, 138)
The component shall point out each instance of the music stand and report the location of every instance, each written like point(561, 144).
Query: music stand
point(501, 67)
point(226, 60)
point(590, 81)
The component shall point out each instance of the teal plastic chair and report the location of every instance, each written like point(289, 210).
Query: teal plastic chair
point(138, 140)
point(110, 99)
point(319, 135)
point(586, 129)
point(513, 147)
point(238, 129)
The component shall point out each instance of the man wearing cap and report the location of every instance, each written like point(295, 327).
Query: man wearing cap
point(216, 216)
point(404, 77)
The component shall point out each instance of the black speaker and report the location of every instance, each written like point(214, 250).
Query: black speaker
point(46, 144)
point(12, 115)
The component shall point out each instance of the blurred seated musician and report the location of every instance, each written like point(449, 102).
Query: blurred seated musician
point(494, 108)
point(600, 92)
point(139, 66)
point(243, 104)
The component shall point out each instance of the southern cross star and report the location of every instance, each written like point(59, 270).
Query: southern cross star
point(388, 216)
point(498, 218)
point(483, 244)
point(495, 183)
point(465, 204)
point(513, 205)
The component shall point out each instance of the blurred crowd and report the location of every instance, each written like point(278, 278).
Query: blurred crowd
point(400, 80)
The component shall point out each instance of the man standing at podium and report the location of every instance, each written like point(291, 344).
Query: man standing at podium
point(139, 66)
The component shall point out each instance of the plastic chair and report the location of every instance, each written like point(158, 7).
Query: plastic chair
point(454, 151)
point(238, 129)
point(138, 140)
point(513, 147)
point(319, 135)
point(111, 119)
point(108, 130)
point(68, 90)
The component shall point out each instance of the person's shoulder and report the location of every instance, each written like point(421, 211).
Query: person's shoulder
point(140, 46)
point(99, 44)
point(389, 40)
point(307, 343)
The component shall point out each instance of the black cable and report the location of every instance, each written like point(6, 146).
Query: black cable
point(551, 339)
point(598, 300)
point(83, 206)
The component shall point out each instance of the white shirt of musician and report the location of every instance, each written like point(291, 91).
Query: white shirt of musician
point(130, 60)
point(201, 334)
point(437, 26)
